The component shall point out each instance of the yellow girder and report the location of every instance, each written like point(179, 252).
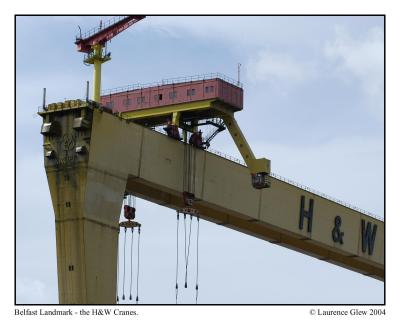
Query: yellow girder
point(254, 165)
point(164, 110)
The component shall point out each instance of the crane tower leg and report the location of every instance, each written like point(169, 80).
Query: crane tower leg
point(87, 196)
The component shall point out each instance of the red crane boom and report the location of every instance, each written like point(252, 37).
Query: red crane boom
point(102, 34)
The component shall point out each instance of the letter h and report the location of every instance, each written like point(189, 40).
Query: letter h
point(306, 214)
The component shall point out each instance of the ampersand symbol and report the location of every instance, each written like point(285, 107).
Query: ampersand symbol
point(337, 235)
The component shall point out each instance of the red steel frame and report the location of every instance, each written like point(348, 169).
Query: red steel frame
point(99, 36)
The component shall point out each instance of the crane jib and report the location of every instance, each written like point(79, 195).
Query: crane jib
point(102, 35)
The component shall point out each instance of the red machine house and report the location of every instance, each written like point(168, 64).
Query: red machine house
point(175, 91)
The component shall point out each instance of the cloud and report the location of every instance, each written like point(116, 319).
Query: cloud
point(220, 28)
point(361, 57)
point(242, 33)
point(273, 66)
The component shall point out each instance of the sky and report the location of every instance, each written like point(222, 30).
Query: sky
point(313, 104)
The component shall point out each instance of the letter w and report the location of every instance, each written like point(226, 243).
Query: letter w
point(368, 237)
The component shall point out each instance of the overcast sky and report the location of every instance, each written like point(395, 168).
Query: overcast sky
point(313, 90)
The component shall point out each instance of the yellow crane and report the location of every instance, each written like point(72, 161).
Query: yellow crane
point(94, 156)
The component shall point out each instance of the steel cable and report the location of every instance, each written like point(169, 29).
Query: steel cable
point(130, 288)
point(194, 171)
point(184, 223)
point(189, 169)
point(177, 256)
point(184, 166)
point(197, 258)
point(137, 275)
point(188, 250)
point(116, 287)
point(123, 278)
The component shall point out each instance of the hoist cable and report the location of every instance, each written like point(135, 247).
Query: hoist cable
point(194, 171)
point(184, 166)
point(187, 165)
point(123, 278)
point(188, 250)
point(130, 289)
point(116, 287)
point(184, 223)
point(189, 168)
point(177, 256)
point(197, 258)
point(137, 275)
point(185, 175)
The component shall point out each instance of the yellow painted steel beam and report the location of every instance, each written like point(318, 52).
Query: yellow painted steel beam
point(175, 118)
point(254, 165)
point(166, 110)
point(87, 189)
point(283, 214)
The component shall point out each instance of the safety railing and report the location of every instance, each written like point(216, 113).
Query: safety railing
point(325, 196)
point(138, 86)
point(227, 156)
point(291, 182)
point(102, 26)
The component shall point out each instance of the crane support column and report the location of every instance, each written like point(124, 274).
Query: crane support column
point(97, 57)
point(97, 72)
point(176, 118)
point(87, 193)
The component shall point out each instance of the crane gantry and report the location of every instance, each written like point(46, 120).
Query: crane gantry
point(95, 154)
